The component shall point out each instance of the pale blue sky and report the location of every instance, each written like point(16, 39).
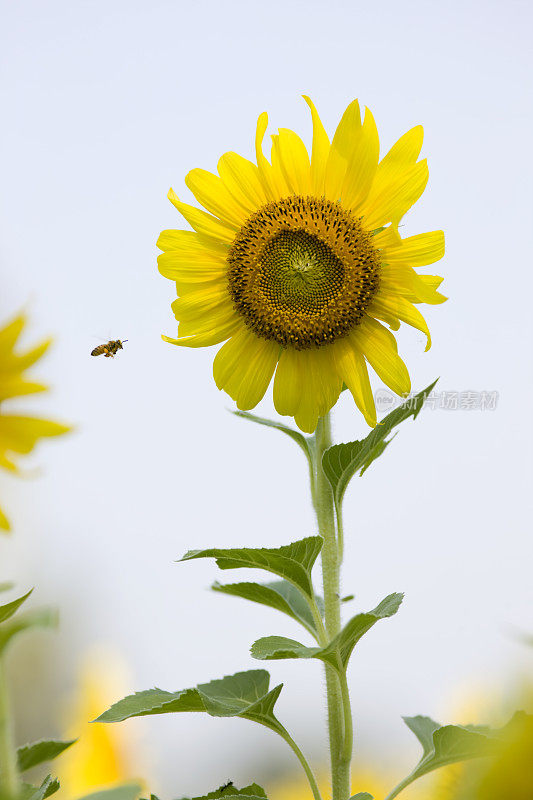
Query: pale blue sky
point(107, 104)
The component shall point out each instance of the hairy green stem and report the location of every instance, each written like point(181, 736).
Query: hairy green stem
point(9, 779)
point(303, 761)
point(339, 713)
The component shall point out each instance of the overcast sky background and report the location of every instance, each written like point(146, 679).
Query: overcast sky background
point(107, 104)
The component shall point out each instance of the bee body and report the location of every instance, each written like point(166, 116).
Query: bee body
point(110, 349)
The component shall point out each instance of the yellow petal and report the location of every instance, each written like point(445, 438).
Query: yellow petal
point(29, 358)
point(183, 269)
point(362, 164)
point(20, 434)
point(321, 387)
point(7, 464)
point(206, 333)
point(294, 162)
point(14, 386)
point(352, 369)
point(202, 222)
point(402, 154)
point(273, 191)
point(11, 332)
point(244, 366)
point(288, 383)
point(320, 151)
point(4, 522)
point(306, 385)
point(384, 306)
point(381, 351)
point(340, 151)
point(202, 302)
point(283, 188)
point(402, 279)
point(386, 238)
point(192, 244)
point(210, 191)
point(243, 180)
point(418, 251)
point(396, 198)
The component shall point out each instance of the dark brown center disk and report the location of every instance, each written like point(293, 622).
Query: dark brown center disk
point(302, 271)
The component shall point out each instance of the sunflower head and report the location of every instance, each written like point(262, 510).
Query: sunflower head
point(19, 434)
point(297, 262)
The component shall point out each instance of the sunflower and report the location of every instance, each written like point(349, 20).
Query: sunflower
point(297, 262)
point(19, 434)
point(103, 755)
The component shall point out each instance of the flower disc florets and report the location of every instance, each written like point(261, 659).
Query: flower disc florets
point(302, 271)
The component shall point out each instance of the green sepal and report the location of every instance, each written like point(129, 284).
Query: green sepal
point(130, 791)
point(35, 753)
point(450, 744)
point(38, 618)
point(7, 610)
point(252, 792)
point(245, 694)
point(362, 796)
point(341, 461)
point(278, 647)
point(281, 595)
point(293, 562)
point(302, 441)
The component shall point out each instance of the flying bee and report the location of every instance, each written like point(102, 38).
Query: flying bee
point(225, 786)
point(110, 349)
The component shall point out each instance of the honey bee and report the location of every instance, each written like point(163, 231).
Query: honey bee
point(110, 349)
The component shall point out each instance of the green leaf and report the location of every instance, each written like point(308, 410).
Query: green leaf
point(51, 786)
point(252, 792)
point(245, 694)
point(278, 647)
point(128, 792)
point(6, 586)
point(280, 595)
point(7, 610)
point(356, 628)
point(301, 440)
point(293, 562)
point(45, 750)
point(152, 701)
point(273, 648)
point(39, 618)
point(28, 792)
point(341, 461)
point(450, 744)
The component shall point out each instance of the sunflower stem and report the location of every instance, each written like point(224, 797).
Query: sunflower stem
point(9, 779)
point(339, 712)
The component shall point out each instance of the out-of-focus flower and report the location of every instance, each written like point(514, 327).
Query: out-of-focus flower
point(298, 264)
point(104, 755)
point(364, 779)
point(19, 434)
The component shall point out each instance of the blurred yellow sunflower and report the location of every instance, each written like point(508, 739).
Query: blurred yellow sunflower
point(19, 434)
point(298, 263)
point(104, 755)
